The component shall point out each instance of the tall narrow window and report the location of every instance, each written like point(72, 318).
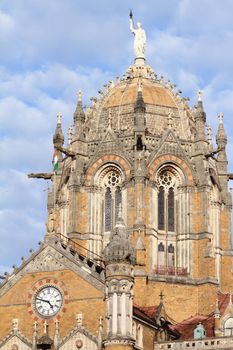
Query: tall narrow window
point(161, 254)
point(108, 210)
point(166, 201)
point(171, 255)
point(161, 208)
point(171, 210)
point(112, 198)
point(117, 202)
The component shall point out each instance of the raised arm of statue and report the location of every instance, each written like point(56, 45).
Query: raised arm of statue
point(131, 26)
point(139, 38)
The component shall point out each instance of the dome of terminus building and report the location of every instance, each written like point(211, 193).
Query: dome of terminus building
point(163, 103)
point(137, 249)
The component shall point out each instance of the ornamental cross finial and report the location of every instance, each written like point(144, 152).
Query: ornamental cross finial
point(199, 95)
point(15, 324)
point(80, 95)
point(161, 295)
point(220, 118)
point(35, 326)
point(59, 116)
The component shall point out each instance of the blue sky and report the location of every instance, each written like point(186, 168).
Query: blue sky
point(51, 49)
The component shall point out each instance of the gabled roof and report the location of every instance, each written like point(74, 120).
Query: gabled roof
point(54, 255)
point(16, 334)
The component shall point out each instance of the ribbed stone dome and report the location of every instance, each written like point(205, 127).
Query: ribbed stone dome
point(164, 106)
point(125, 93)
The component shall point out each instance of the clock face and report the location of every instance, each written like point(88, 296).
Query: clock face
point(48, 301)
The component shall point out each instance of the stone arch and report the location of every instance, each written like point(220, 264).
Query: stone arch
point(175, 161)
point(171, 176)
point(107, 159)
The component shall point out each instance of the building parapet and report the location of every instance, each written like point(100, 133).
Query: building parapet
point(205, 344)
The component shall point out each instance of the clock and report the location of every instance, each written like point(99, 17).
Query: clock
point(48, 301)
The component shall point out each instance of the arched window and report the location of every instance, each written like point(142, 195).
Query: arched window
point(228, 327)
point(167, 183)
point(112, 180)
point(161, 254)
point(171, 255)
point(168, 180)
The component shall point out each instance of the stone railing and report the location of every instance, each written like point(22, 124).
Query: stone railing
point(200, 344)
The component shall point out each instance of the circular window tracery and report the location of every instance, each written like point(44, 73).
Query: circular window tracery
point(168, 178)
point(112, 179)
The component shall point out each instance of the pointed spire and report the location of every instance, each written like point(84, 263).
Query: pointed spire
point(58, 137)
point(200, 114)
point(79, 114)
point(221, 137)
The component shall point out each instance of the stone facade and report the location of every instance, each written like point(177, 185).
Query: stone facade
point(141, 154)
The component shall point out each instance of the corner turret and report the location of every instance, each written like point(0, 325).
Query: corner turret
point(119, 258)
point(222, 163)
point(58, 137)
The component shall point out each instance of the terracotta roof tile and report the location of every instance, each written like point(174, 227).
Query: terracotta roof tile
point(146, 313)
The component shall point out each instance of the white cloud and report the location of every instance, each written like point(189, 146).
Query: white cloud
point(49, 50)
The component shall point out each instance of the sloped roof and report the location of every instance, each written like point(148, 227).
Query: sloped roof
point(145, 313)
point(186, 327)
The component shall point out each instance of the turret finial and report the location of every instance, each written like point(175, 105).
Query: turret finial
point(161, 296)
point(59, 117)
point(80, 95)
point(220, 118)
point(199, 95)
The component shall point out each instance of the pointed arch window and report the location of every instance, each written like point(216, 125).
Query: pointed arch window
point(112, 198)
point(166, 201)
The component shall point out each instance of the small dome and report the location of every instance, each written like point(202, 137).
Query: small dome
point(125, 93)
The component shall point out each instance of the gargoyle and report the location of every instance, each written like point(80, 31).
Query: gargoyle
point(67, 152)
point(45, 176)
point(211, 154)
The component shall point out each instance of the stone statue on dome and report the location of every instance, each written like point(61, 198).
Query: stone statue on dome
point(139, 38)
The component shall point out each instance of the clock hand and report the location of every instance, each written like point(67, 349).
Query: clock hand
point(43, 300)
point(47, 301)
